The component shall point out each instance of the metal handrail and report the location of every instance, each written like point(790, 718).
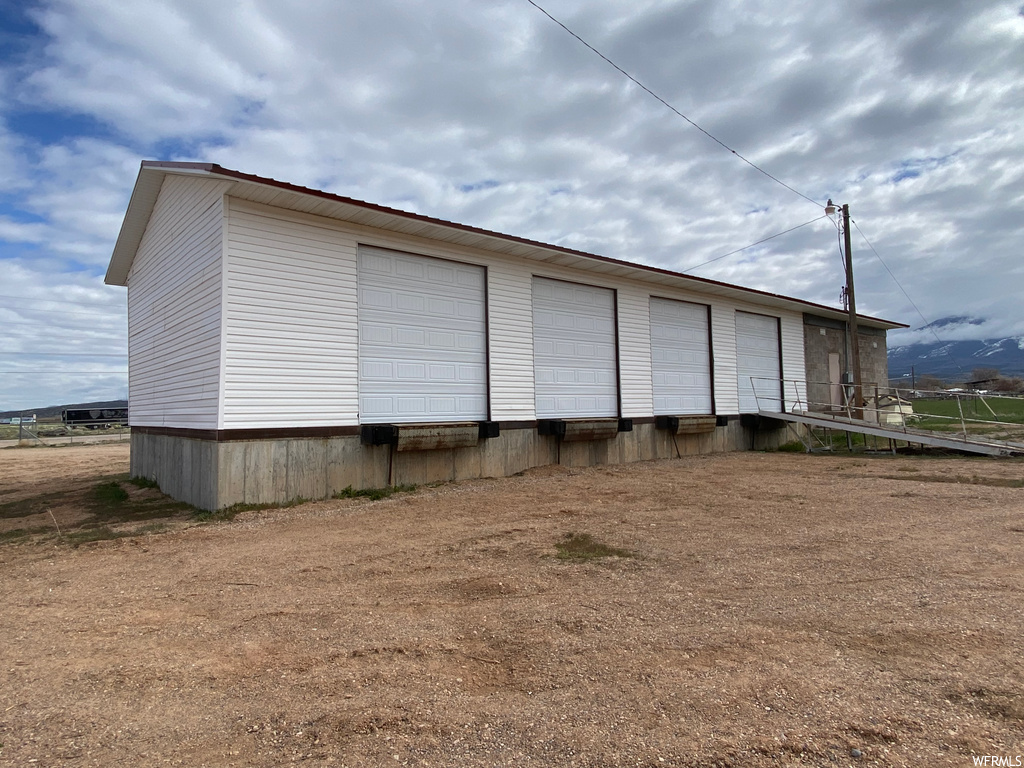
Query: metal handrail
point(870, 405)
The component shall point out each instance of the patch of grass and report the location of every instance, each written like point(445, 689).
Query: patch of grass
point(34, 505)
point(144, 482)
point(793, 446)
point(109, 493)
point(373, 494)
point(106, 502)
point(943, 415)
point(224, 515)
point(836, 441)
point(229, 513)
point(20, 533)
point(584, 547)
point(110, 502)
point(1007, 409)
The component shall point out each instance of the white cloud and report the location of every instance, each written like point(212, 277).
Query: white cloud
point(491, 115)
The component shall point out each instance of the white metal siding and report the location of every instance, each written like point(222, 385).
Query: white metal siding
point(290, 331)
point(510, 323)
point(680, 354)
point(300, 269)
point(723, 354)
point(422, 339)
point(757, 362)
point(793, 365)
point(635, 351)
point(574, 350)
point(174, 309)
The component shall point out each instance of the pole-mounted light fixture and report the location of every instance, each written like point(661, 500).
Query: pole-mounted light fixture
point(852, 343)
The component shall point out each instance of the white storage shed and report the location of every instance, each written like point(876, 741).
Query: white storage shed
point(286, 342)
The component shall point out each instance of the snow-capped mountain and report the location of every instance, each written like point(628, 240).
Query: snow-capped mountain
point(958, 349)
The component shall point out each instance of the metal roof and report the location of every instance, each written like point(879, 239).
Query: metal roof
point(312, 201)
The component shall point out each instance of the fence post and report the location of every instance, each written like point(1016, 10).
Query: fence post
point(960, 407)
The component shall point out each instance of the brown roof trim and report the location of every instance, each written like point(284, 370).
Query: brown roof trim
point(218, 170)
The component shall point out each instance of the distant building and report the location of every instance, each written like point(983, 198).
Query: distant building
point(979, 385)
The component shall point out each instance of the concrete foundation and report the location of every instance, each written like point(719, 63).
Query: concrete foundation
point(214, 474)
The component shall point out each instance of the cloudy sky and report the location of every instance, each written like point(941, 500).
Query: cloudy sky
point(487, 113)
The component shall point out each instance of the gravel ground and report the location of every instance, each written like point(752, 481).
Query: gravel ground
point(778, 610)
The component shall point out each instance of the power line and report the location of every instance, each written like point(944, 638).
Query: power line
point(839, 243)
point(714, 138)
point(765, 240)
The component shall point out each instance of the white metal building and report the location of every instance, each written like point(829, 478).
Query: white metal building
point(270, 325)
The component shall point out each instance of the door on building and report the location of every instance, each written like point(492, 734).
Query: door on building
point(835, 384)
point(758, 362)
point(680, 357)
point(574, 358)
point(422, 339)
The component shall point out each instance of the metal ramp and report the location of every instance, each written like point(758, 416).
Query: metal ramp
point(839, 413)
point(906, 434)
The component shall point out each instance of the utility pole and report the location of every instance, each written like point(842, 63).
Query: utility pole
point(853, 344)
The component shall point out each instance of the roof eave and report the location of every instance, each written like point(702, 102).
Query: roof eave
point(151, 174)
point(140, 208)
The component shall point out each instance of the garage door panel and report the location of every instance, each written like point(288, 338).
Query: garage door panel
point(471, 343)
point(563, 406)
point(575, 371)
point(416, 407)
point(419, 369)
point(422, 339)
point(758, 365)
point(680, 357)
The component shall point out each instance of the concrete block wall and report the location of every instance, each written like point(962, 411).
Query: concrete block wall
point(824, 336)
point(213, 475)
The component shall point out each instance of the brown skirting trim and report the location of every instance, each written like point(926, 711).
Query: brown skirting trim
point(282, 433)
point(533, 424)
point(229, 435)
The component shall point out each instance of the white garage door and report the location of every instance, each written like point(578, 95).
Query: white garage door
point(422, 339)
point(574, 359)
point(680, 357)
point(757, 356)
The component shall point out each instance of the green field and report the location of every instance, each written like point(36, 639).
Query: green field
point(944, 415)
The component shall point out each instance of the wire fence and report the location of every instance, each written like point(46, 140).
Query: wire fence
point(28, 430)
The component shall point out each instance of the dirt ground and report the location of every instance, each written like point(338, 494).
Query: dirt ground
point(780, 610)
